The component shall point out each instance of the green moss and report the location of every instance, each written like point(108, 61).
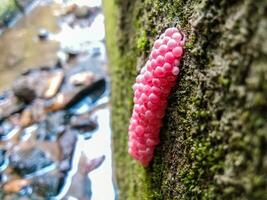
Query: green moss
point(214, 136)
point(142, 42)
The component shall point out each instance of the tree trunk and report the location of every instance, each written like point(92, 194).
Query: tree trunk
point(214, 138)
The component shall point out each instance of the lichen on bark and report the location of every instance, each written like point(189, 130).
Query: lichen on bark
point(213, 143)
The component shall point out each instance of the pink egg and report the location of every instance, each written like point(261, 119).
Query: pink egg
point(169, 57)
point(156, 82)
point(175, 71)
point(158, 72)
point(139, 131)
point(154, 53)
point(177, 51)
point(167, 67)
point(157, 43)
point(147, 76)
point(160, 60)
point(172, 44)
point(156, 90)
point(169, 32)
point(163, 49)
point(177, 36)
point(166, 40)
point(137, 94)
point(143, 99)
point(154, 98)
point(147, 89)
point(151, 90)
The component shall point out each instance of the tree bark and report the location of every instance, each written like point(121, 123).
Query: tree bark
point(214, 138)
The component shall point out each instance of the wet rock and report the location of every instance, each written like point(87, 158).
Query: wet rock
point(24, 194)
point(95, 51)
point(69, 9)
point(62, 58)
point(83, 12)
point(34, 113)
point(15, 186)
point(93, 91)
point(27, 133)
point(84, 125)
point(9, 105)
point(43, 82)
point(67, 143)
point(54, 84)
point(48, 185)
point(52, 126)
point(25, 162)
point(83, 122)
point(26, 118)
point(71, 96)
point(57, 103)
point(43, 34)
point(23, 91)
point(38, 110)
point(83, 78)
point(7, 130)
point(72, 52)
point(3, 160)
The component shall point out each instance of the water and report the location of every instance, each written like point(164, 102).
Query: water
point(78, 44)
point(20, 48)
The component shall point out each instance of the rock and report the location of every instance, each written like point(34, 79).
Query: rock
point(62, 58)
point(23, 91)
point(93, 91)
point(38, 110)
point(26, 118)
point(52, 126)
point(15, 186)
point(48, 185)
point(54, 84)
point(72, 52)
point(7, 129)
point(25, 162)
point(83, 78)
point(83, 12)
point(43, 34)
point(3, 163)
point(67, 142)
point(43, 82)
point(84, 125)
point(83, 122)
point(57, 103)
point(70, 97)
point(70, 9)
point(9, 105)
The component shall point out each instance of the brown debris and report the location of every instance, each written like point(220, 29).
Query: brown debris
point(26, 118)
point(83, 78)
point(54, 84)
point(15, 186)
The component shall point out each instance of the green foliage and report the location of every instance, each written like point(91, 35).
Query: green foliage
point(6, 6)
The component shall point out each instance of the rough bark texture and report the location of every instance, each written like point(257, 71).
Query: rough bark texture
point(214, 139)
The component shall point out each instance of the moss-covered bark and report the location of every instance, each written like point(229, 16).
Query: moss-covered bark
point(214, 139)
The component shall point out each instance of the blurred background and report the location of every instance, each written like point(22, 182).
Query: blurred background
point(55, 137)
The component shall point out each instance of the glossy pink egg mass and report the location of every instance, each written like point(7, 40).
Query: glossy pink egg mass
point(151, 90)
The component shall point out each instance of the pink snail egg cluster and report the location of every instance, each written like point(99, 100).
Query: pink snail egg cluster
point(151, 90)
